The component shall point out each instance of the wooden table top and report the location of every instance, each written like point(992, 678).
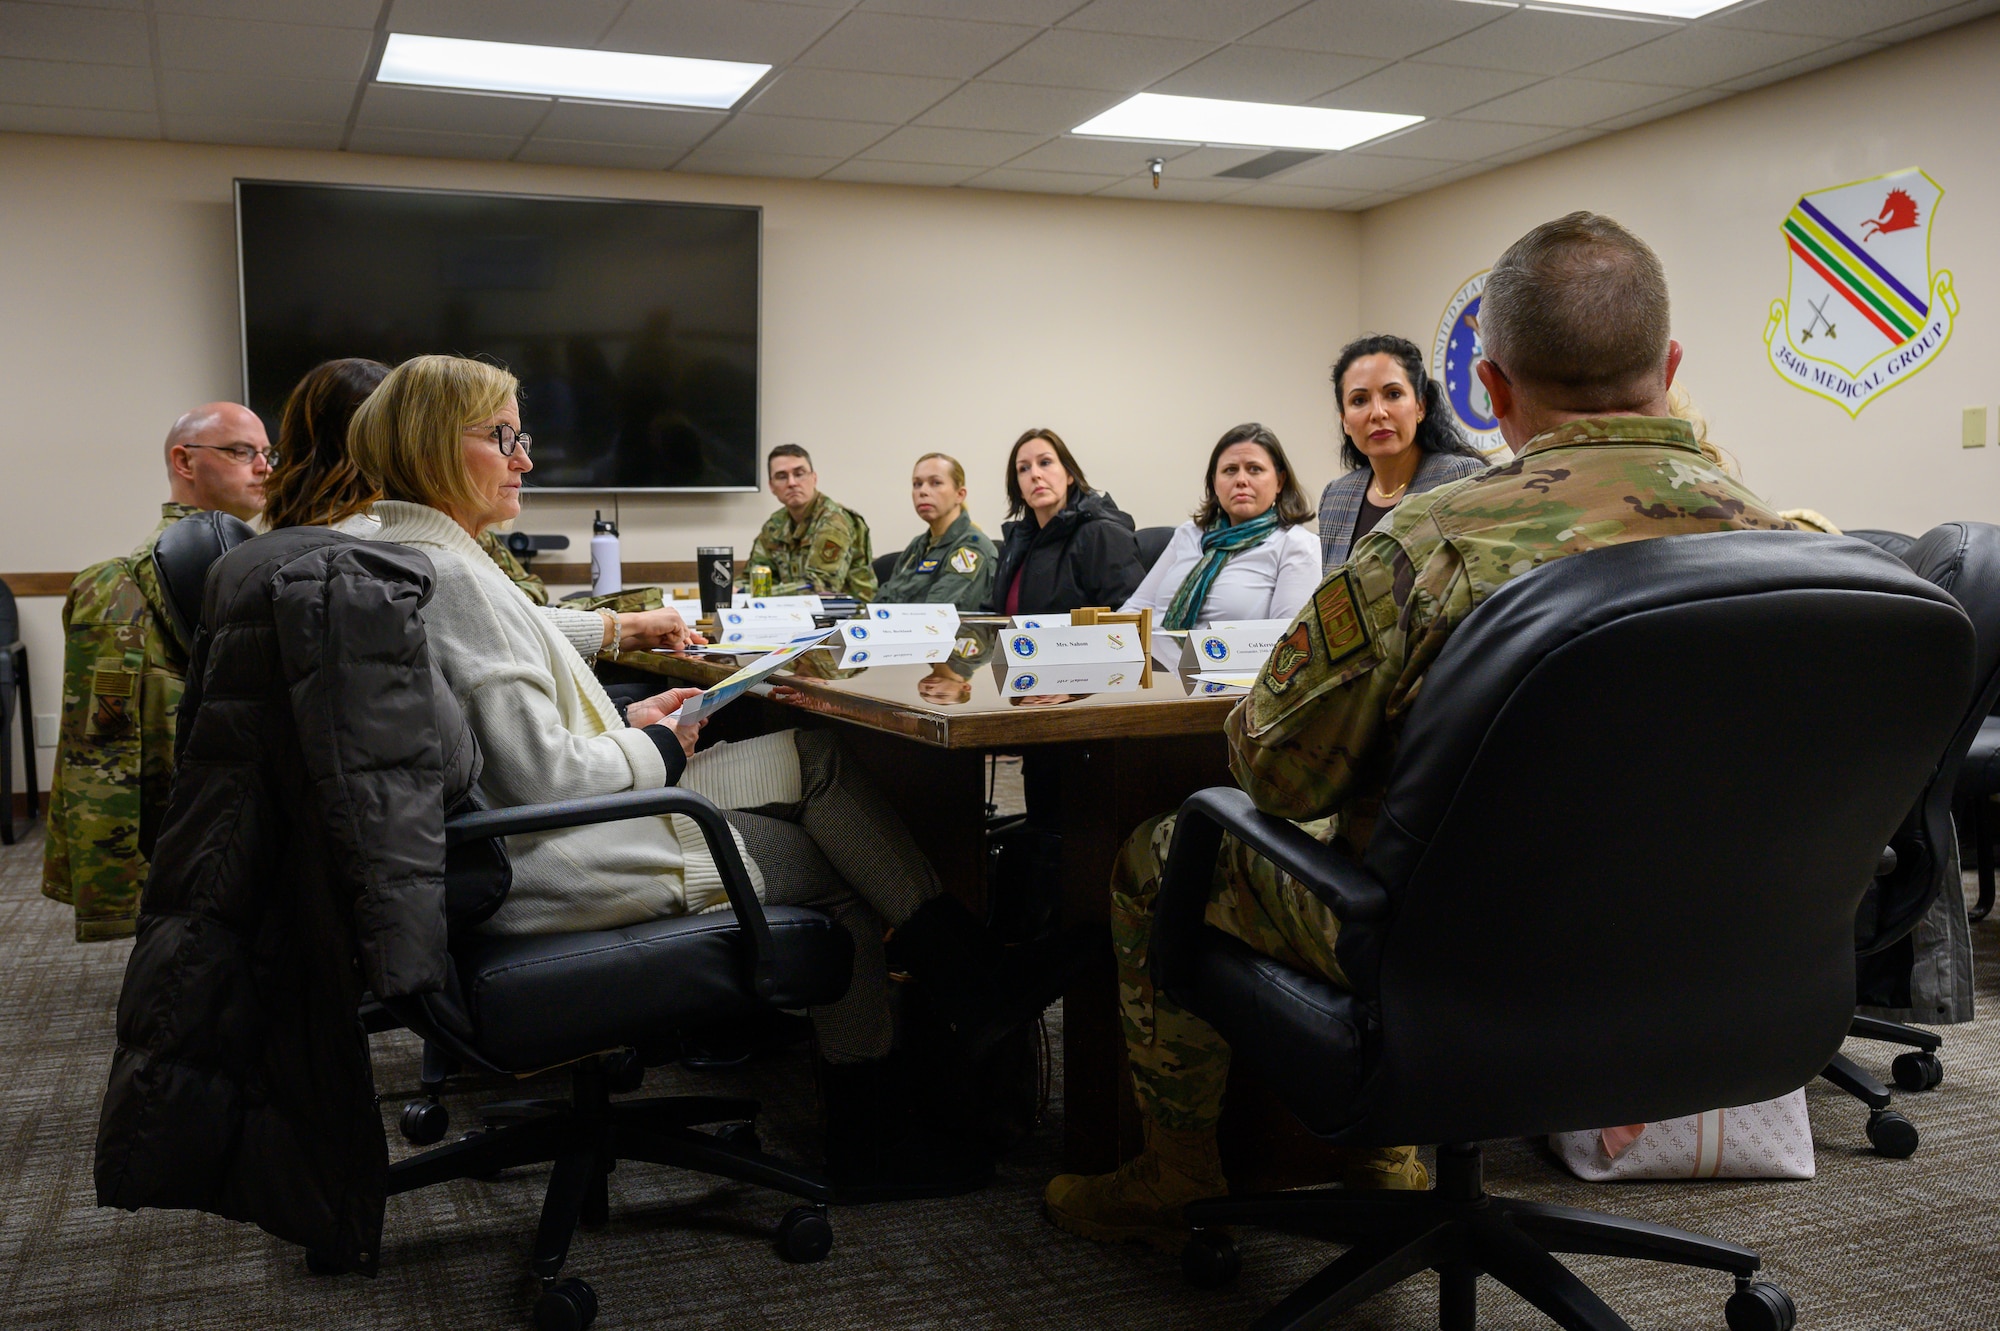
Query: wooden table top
point(958, 705)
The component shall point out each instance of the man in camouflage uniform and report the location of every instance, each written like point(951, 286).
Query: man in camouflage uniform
point(811, 545)
point(1578, 362)
point(122, 676)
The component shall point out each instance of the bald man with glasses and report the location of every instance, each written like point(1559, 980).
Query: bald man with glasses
point(123, 671)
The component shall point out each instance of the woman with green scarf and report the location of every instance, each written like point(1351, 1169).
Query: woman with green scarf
point(1244, 554)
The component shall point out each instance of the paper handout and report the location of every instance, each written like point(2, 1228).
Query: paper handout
point(717, 696)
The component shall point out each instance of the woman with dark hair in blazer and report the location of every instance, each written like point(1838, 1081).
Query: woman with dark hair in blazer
point(1397, 438)
point(1067, 544)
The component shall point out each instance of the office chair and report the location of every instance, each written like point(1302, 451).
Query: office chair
point(1962, 558)
point(1153, 542)
point(14, 697)
point(1614, 880)
point(884, 565)
point(1972, 808)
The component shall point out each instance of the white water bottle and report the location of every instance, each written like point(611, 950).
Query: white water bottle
point(606, 576)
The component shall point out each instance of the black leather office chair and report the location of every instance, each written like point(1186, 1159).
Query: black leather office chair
point(1614, 880)
point(1895, 542)
point(14, 697)
point(884, 565)
point(1972, 802)
point(1153, 542)
point(1963, 558)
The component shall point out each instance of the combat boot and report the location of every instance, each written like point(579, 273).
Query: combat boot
point(1141, 1201)
point(981, 989)
point(1389, 1169)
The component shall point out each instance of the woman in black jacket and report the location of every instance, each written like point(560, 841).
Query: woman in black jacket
point(1067, 544)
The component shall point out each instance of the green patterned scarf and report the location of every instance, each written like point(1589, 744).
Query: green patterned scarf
point(1218, 543)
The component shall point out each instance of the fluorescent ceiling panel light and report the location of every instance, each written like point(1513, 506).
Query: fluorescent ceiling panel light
point(1163, 119)
point(565, 71)
point(1657, 8)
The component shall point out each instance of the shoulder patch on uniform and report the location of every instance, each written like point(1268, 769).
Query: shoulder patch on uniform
point(1288, 658)
point(829, 551)
point(1340, 622)
point(965, 559)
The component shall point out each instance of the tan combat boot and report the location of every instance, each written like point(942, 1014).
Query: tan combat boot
point(1141, 1202)
point(1391, 1168)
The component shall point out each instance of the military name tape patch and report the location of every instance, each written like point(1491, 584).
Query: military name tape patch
point(965, 560)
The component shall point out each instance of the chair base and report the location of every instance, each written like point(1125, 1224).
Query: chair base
point(588, 1135)
point(1461, 1232)
point(1889, 1132)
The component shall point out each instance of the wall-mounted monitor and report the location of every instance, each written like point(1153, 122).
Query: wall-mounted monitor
point(632, 326)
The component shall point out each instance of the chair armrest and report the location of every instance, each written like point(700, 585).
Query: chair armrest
point(1349, 891)
point(644, 804)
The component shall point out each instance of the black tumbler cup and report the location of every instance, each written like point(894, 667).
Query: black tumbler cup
point(715, 569)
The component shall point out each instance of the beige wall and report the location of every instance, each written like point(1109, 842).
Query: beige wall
point(896, 320)
point(1708, 188)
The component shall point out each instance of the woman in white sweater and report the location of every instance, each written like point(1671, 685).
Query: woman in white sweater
point(441, 437)
point(1244, 555)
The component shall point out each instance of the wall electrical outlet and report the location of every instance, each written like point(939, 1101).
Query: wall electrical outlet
point(45, 730)
point(1972, 430)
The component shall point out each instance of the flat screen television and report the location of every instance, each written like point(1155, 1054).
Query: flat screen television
point(632, 326)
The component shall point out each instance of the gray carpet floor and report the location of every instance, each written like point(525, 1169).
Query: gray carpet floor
point(1869, 1245)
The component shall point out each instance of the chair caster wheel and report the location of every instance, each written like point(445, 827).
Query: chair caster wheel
point(1917, 1071)
point(623, 1072)
point(805, 1234)
point(568, 1305)
point(1760, 1306)
point(324, 1264)
point(1210, 1260)
point(1892, 1135)
point(424, 1122)
point(741, 1136)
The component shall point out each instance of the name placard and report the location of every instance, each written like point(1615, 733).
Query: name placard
point(745, 601)
point(873, 633)
point(1028, 680)
point(1235, 647)
point(911, 612)
point(1051, 621)
point(872, 653)
point(765, 626)
point(1073, 645)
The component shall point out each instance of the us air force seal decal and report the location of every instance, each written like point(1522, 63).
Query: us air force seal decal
point(1454, 352)
point(1865, 309)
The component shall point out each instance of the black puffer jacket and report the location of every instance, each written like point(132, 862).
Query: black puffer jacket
point(1086, 555)
point(300, 861)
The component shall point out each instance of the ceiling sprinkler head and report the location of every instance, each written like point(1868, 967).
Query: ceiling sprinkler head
point(1158, 164)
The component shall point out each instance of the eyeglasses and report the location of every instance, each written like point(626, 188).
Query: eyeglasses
point(241, 454)
point(506, 438)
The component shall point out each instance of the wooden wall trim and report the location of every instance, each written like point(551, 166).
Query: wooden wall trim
point(46, 584)
point(670, 572)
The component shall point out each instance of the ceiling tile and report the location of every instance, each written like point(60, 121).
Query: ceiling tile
point(951, 147)
point(1266, 74)
point(1389, 29)
point(1361, 174)
point(1539, 41)
point(1806, 64)
point(782, 166)
point(1116, 158)
point(87, 36)
point(900, 173)
point(538, 22)
point(639, 126)
point(188, 42)
point(577, 152)
point(430, 143)
point(1687, 101)
point(1065, 58)
point(1550, 145)
point(1172, 189)
point(389, 107)
point(1273, 195)
point(1701, 56)
point(740, 30)
point(1947, 18)
point(900, 44)
point(79, 120)
point(1416, 89)
point(1828, 18)
point(795, 137)
point(843, 94)
point(1455, 140)
point(254, 132)
point(326, 13)
point(1375, 200)
point(1209, 160)
point(252, 96)
point(1570, 103)
point(1211, 20)
point(1037, 13)
point(1451, 175)
point(1016, 106)
point(62, 83)
point(1040, 182)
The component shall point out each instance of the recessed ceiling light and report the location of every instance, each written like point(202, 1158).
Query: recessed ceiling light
point(1658, 8)
point(1163, 119)
point(565, 71)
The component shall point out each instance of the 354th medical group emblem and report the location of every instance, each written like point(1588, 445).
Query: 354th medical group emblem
point(1865, 309)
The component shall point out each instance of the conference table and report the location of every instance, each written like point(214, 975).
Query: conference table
point(924, 732)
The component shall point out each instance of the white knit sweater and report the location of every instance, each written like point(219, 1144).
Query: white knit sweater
point(548, 732)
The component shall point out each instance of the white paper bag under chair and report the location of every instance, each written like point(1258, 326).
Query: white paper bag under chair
point(1772, 1139)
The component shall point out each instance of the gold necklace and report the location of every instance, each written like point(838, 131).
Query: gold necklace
point(1389, 496)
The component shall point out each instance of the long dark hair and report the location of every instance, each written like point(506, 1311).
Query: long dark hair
point(1293, 506)
point(315, 482)
point(1437, 432)
point(1017, 505)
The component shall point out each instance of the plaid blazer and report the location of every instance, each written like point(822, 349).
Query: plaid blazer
point(1340, 502)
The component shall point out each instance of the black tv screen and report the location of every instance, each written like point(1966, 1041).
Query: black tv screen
point(632, 326)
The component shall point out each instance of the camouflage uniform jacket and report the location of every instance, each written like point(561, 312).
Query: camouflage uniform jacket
point(956, 569)
point(828, 553)
point(1317, 734)
point(496, 548)
point(122, 678)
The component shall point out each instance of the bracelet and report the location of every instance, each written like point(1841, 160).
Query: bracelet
point(610, 643)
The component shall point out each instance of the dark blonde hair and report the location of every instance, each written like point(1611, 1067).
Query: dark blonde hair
point(1292, 505)
point(314, 482)
point(957, 472)
point(405, 437)
point(1016, 503)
